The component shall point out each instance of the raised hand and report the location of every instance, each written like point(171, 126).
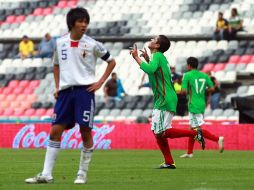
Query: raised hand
point(134, 51)
point(144, 54)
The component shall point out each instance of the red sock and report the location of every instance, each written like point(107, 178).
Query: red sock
point(209, 135)
point(190, 145)
point(164, 147)
point(178, 133)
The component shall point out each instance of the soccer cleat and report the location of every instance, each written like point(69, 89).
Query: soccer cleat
point(199, 137)
point(167, 166)
point(221, 144)
point(81, 179)
point(40, 179)
point(186, 156)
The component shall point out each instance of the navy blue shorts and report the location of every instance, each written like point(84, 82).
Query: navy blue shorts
point(74, 105)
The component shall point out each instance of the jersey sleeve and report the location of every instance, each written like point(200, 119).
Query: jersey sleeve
point(102, 52)
point(152, 66)
point(185, 82)
point(209, 82)
point(55, 58)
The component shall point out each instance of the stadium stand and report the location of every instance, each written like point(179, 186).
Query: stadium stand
point(26, 86)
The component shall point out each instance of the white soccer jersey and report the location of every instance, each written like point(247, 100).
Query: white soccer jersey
point(77, 59)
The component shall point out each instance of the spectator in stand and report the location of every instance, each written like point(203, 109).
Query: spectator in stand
point(26, 48)
point(221, 31)
point(46, 47)
point(235, 24)
point(181, 107)
point(215, 95)
point(175, 76)
point(113, 89)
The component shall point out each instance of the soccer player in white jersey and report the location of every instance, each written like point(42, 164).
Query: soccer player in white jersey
point(74, 73)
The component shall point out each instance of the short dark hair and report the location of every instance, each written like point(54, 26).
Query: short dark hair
point(164, 43)
point(235, 10)
point(193, 62)
point(76, 13)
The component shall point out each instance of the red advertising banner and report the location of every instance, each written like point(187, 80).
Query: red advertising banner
point(120, 136)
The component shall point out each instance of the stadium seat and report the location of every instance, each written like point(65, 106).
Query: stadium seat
point(21, 97)
point(18, 112)
point(20, 18)
point(18, 90)
point(245, 59)
point(25, 104)
point(29, 112)
point(62, 4)
point(8, 111)
point(2, 97)
point(104, 112)
point(250, 68)
point(229, 67)
point(208, 67)
point(38, 11)
point(7, 90)
point(10, 19)
point(218, 67)
point(11, 97)
point(240, 67)
point(49, 111)
point(125, 112)
point(13, 83)
point(251, 90)
point(40, 112)
point(234, 59)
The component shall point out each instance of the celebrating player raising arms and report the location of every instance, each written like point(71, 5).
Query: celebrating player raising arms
point(165, 98)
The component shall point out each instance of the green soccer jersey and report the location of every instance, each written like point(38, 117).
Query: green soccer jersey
point(160, 80)
point(195, 83)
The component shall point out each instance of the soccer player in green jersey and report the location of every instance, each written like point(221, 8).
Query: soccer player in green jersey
point(195, 84)
point(165, 98)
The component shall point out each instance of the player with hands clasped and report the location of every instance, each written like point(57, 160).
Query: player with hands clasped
point(74, 72)
point(165, 98)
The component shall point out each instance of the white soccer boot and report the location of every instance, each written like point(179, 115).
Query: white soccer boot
point(40, 179)
point(186, 156)
point(81, 179)
point(221, 144)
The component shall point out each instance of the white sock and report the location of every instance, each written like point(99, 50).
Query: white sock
point(53, 149)
point(85, 159)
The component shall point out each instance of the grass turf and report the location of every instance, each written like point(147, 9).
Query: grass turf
point(130, 170)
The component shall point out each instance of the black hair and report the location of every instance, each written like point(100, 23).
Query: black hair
point(164, 43)
point(221, 13)
point(234, 9)
point(112, 74)
point(76, 13)
point(193, 62)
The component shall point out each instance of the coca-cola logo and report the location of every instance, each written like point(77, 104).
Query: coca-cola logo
point(26, 137)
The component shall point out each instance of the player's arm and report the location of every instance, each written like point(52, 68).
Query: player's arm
point(210, 85)
point(184, 85)
point(101, 52)
point(147, 68)
point(56, 72)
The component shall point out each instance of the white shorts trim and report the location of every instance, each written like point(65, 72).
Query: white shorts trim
point(196, 120)
point(161, 120)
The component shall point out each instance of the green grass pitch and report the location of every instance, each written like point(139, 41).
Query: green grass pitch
point(130, 170)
